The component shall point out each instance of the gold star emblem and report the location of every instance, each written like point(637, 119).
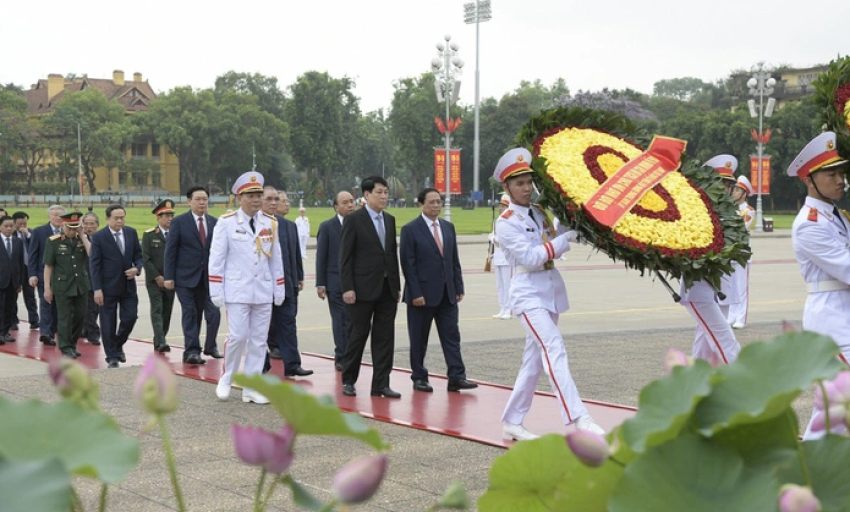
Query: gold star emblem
point(253, 179)
point(520, 158)
point(830, 145)
point(728, 165)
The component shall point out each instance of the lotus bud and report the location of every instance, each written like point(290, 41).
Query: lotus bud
point(676, 357)
point(788, 326)
point(258, 447)
point(591, 449)
point(837, 416)
point(156, 386)
point(796, 498)
point(455, 496)
point(357, 481)
point(73, 381)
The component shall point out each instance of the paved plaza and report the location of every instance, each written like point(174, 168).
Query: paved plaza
point(617, 330)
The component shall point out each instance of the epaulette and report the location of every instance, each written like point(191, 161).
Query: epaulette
point(845, 213)
point(813, 214)
point(151, 230)
point(54, 237)
point(269, 216)
point(226, 215)
point(507, 214)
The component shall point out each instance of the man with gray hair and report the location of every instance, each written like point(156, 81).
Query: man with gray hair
point(35, 268)
point(91, 331)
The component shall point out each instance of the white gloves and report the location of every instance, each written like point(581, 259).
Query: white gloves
point(217, 300)
point(571, 235)
point(278, 300)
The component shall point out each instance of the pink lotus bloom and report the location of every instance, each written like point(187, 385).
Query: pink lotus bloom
point(837, 415)
point(357, 481)
point(591, 449)
point(796, 498)
point(72, 378)
point(835, 402)
point(258, 447)
point(676, 357)
point(156, 386)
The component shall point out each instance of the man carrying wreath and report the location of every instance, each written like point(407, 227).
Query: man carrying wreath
point(537, 297)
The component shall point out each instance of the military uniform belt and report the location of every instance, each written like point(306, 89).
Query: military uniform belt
point(830, 285)
point(522, 269)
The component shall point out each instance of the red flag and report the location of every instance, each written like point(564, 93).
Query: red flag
point(440, 125)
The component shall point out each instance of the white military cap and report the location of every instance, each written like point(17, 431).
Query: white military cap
point(818, 154)
point(726, 165)
point(506, 199)
point(514, 162)
point(745, 184)
point(248, 182)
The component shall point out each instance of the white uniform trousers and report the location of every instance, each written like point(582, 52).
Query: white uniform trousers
point(249, 329)
point(503, 286)
point(544, 351)
point(713, 336)
point(738, 310)
point(302, 240)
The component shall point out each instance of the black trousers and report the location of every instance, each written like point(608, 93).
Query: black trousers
point(8, 299)
point(419, 319)
point(29, 301)
point(340, 325)
point(124, 309)
point(195, 304)
point(377, 316)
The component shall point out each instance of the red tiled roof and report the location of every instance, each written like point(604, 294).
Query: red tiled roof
point(134, 96)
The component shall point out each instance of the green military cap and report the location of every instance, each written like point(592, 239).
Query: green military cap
point(72, 220)
point(164, 206)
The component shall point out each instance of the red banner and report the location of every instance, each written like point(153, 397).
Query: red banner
point(623, 189)
point(440, 170)
point(765, 173)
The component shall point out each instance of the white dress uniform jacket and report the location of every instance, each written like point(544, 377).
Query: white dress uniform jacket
point(741, 276)
point(528, 246)
point(246, 267)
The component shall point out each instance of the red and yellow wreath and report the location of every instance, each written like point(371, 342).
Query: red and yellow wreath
point(832, 96)
point(674, 225)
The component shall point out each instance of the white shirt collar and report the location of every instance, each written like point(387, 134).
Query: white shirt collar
point(373, 213)
point(429, 221)
point(340, 218)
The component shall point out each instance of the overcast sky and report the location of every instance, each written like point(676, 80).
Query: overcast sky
point(591, 44)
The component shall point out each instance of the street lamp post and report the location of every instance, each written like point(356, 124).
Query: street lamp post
point(476, 12)
point(761, 85)
point(446, 67)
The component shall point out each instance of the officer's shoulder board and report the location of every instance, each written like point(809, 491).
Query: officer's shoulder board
point(151, 230)
point(813, 214)
point(269, 216)
point(56, 236)
point(844, 213)
point(507, 214)
point(229, 214)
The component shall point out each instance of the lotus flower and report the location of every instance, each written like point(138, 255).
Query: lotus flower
point(258, 447)
point(357, 481)
point(156, 386)
point(796, 498)
point(676, 357)
point(591, 449)
point(73, 381)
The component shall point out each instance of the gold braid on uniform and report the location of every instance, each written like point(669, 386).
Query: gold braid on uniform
point(260, 244)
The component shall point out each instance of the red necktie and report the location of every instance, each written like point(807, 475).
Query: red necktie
point(202, 231)
point(437, 238)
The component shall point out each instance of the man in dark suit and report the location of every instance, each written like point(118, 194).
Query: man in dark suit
point(22, 232)
point(35, 268)
point(433, 287)
point(327, 273)
point(368, 269)
point(12, 275)
point(116, 260)
point(187, 254)
point(283, 336)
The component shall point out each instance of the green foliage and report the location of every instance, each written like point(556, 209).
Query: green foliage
point(704, 439)
point(826, 86)
point(88, 443)
point(310, 415)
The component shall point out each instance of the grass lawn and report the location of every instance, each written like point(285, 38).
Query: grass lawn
point(466, 221)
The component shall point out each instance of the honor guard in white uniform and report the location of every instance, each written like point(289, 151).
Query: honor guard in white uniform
point(738, 309)
point(537, 296)
point(714, 339)
point(246, 276)
point(822, 247)
point(503, 270)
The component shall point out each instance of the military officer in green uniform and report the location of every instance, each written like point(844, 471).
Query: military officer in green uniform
point(66, 280)
point(153, 254)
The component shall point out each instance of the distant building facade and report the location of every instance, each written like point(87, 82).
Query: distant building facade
point(793, 85)
point(135, 96)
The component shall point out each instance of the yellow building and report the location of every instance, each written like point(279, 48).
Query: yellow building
point(795, 84)
point(134, 96)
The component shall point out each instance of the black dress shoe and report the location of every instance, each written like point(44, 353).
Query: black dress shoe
point(422, 385)
point(77, 353)
point(14, 327)
point(94, 341)
point(47, 340)
point(386, 392)
point(457, 385)
point(7, 338)
point(122, 357)
point(214, 353)
point(70, 353)
point(298, 372)
point(163, 348)
point(348, 390)
point(194, 359)
point(338, 366)
point(112, 364)
point(34, 327)
point(275, 353)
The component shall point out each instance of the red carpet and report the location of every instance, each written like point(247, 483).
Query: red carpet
point(472, 415)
